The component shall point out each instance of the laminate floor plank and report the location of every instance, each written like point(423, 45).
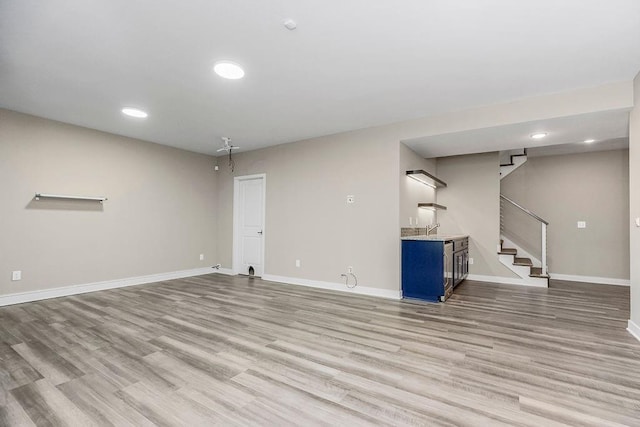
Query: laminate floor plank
point(12, 413)
point(47, 406)
point(237, 351)
point(166, 409)
point(321, 411)
point(96, 398)
point(47, 362)
point(16, 371)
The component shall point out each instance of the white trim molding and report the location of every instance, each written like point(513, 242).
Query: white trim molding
point(38, 295)
point(634, 329)
point(503, 280)
point(362, 290)
point(591, 279)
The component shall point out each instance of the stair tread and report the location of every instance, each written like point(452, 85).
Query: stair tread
point(537, 272)
point(522, 261)
point(541, 276)
point(508, 251)
point(507, 164)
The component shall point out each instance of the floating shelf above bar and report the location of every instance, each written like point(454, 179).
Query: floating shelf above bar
point(426, 178)
point(432, 206)
point(65, 197)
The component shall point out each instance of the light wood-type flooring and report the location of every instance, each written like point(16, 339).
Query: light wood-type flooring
point(220, 350)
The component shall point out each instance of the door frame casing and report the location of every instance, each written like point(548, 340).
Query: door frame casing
point(236, 222)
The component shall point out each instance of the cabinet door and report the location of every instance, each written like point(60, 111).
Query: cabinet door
point(422, 270)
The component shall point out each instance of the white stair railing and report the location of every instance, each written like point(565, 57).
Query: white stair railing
point(543, 230)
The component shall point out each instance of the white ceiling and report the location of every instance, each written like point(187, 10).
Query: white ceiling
point(350, 64)
point(579, 147)
point(573, 130)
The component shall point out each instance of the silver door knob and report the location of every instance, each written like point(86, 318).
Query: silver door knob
point(260, 232)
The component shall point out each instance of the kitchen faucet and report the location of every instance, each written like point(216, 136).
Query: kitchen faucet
point(430, 228)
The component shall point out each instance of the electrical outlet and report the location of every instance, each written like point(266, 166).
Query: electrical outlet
point(297, 263)
point(16, 275)
point(470, 261)
point(350, 269)
point(201, 257)
point(582, 224)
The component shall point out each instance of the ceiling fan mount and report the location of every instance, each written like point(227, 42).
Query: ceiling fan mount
point(228, 147)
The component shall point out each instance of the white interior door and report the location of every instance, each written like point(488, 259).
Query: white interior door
point(249, 229)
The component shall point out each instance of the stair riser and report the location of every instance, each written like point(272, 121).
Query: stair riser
point(521, 252)
point(523, 272)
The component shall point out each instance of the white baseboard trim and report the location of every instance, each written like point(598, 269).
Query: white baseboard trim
point(362, 290)
point(634, 329)
point(591, 279)
point(503, 280)
point(23, 297)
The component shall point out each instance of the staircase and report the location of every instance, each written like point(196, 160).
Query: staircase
point(531, 270)
point(523, 266)
point(516, 158)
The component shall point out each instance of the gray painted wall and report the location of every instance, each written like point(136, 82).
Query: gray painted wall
point(159, 217)
point(413, 192)
point(634, 203)
point(163, 201)
point(591, 187)
point(472, 199)
point(307, 217)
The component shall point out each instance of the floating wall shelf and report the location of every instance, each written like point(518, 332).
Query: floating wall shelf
point(66, 197)
point(432, 206)
point(426, 178)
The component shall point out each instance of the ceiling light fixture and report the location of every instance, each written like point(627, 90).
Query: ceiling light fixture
point(539, 135)
point(589, 141)
point(134, 112)
point(228, 70)
point(290, 24)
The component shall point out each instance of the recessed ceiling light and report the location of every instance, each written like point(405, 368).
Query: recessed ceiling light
point(589, 141)
point(228, 70)
point(135, 112)
point(539, 135)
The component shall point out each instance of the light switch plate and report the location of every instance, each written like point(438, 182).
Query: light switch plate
point(582, 224)
point(16, 275)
